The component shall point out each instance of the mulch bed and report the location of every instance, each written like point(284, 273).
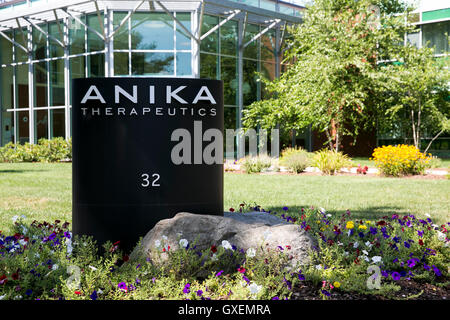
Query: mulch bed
point(409, 290)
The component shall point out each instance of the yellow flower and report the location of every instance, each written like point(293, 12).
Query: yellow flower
point(350, 225)
point(336, 284)
point(362, 227)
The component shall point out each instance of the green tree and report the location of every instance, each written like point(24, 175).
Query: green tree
point(335, 82)
point(419, 100)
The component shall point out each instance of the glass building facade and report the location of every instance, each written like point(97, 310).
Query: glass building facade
point(44, 44)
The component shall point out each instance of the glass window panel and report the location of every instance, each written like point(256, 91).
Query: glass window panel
point(208, 66)
point(40, 84)
point(6, 88)
point(22, 86)
point(251, 51)
point(152, 63)
point(434, 34)
point(152, 31)
point(228, 38)
point(58, 125)
point(55, 49)
point(77, 67)
point(21, 36)
point(7, 127)
point(413, 38)
point(183, 39)
point(23, 126)
point(121, 36)
point(39, 43)
point(229, 76)
point(77, 36)
point(57, 97)
point(268, 71)
point(268, 46)
point(95, 43)
point(41, 124)
point(265, 4)
point(6, 56)
point(96, 65)
point(211, 42)
point(230, 118)
point(121, 63)
point(184, 65)
point(250, 82)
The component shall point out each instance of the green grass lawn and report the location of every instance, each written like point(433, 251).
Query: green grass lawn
point(43, 192)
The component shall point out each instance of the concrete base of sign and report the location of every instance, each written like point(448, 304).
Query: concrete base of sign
point(243, 230)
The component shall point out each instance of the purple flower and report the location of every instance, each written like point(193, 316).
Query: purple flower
point(373, 230)
point(218, 274)
point(275, 298)
point(420, 233)
point(437, 272)
point(246, 279)
point(407, 245)
point(186, 288)
point(67, 234)
point(325, 292)
point(426, 267)
point(384, 273)
point(285, 208)
point(396, 239)
point(94, 295)
point(361, 235)
point(122, 286)
point(199, 293)
point(29, 292)
point(412, 262)
point(396, 276)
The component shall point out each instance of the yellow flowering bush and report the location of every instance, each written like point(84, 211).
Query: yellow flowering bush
point(400, 160)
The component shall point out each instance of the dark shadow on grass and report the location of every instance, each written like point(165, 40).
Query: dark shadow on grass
point(20, 171)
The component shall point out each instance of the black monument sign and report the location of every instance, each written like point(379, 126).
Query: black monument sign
point(144, 149)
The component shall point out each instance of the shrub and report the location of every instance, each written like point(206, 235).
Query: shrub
point(330, 162)
point(400, 160)
point(295, 159)
point(56, 149)
point(434, 163)
point(256, 164)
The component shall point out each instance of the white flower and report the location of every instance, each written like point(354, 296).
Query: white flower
point(329, 215)
point(184, 243)
point(164, 237)
point(368, 244)
point(441, 236)
point(251, 252)
point(69, 249)
point(322, 210)
point(24, 230)
point(93, 268)
point(428, 215)
point(226, 244)
point(99, 291)
point(22, 242)
point(2, 297)
point(157, 243)
point(365, 252)
point(376, 259)
point(18, 297)
point(346, 253)
point(355, 245)
point(340, 243)
point(214, 257)
point(14, 219)
point(318, 267)
point(349, 232)
point(55, 267)
point(37, 255)
point(364, 258)
point(254, 288)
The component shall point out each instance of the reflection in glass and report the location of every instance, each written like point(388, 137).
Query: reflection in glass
point(435, 34)
point(55, 49)
point(41, 124)
point(23, 126)
point(22, 86)
point(58, 124)
point(121, 35)
point(6, 56)
point(121, 63)
point(208, 66)
point(40, 84)
point(251, 51)
point(183, 40)
point(152, 31)
point(228, 67)
point(96, 65)
point(21, 36)
point(39, 43)
point(150, 63)
point(229, 121)
point(228, 38)
point(250, 81)
point(76, 36)
point(184, 67)
point(6, 88)
point(7, 127)
point(268, 46)
point(94, 42)
point(211, 42)
point(57, 83)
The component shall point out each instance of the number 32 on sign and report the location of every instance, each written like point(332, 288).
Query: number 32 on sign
point(150, 180)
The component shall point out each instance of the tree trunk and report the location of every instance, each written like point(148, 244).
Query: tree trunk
point(434, 138)
point(418, 125)
point(330, 143)
point(413, 128)
point(337, 139)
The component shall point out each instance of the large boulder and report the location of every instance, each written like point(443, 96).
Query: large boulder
point(243, 230)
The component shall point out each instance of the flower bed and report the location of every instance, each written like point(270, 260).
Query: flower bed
point(44, 261)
